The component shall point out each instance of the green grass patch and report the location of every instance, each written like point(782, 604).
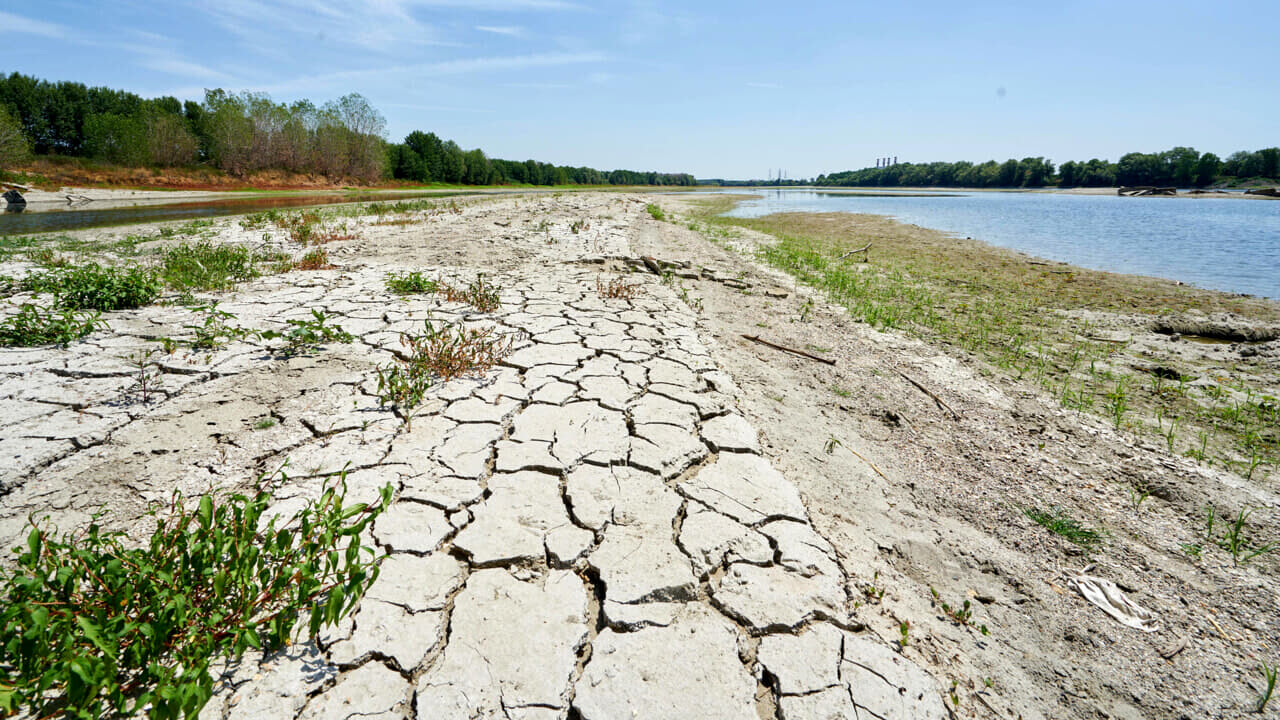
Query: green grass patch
point(1060, 523)
point(655, 212)
point(205, 266)
point(411, 283)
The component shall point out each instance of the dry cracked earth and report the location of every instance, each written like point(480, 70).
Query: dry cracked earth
point(587, 531)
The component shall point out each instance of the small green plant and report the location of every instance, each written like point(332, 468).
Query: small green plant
point(616, 289)
point(146, 374)
point(1138, 494)
point(411, 283)
point(315, 259)
point(216, 331)
point(655, 212)
point(95, 627)
point(832, 443)
point(34, 325)
point(1059, 522)
point(265, 423)
point(904, 633)
point(304, 335)
point(206, 266)
point(94, 287)
point(1235, 542)
point(1191, 550)
point(446, 352)
point(480, 294)
point(841, 392)
point(1269, 677)
point(962, 615)
point(1117, 401)
point(579, 226)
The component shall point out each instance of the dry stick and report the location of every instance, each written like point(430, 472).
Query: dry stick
point(873, 465)
point(864, 248)
point(783, 348)
point(929, 392)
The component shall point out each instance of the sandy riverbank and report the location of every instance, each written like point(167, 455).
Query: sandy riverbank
point(574, 489)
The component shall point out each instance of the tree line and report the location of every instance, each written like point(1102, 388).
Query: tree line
point(1179, 167)
point(241, 133)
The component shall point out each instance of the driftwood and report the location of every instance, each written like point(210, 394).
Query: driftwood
point(1266, 192)
point(24, 188)
point(652, 264)
point(866, 257)
point(930, 393)
point(1146, 190)
point(783, 348)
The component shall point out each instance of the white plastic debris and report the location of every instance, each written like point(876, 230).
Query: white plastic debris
point(1108, 596)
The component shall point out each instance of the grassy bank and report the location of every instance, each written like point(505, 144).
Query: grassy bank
point(1048, 323)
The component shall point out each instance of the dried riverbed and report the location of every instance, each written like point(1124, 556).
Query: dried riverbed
point(640, 512)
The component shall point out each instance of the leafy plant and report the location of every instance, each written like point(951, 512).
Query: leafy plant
point(616, 289)
point(1058, 522)
point(34, 325)
point(309, 334)
point(216, 331)
point(410, 283)
point(147, 376)
point(962, 615)
point(316, 259)
point(95, 628)
point(206, 266)
point(444, 353)
point(1235, 542)
point(480, 294)
point(655, 212)
point(94, 287)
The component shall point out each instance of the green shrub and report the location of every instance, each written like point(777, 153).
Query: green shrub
point(205, 266)
point(94, 287)
point(655, 212)
point(93, 628)
point(33, 325)
point(304, 335)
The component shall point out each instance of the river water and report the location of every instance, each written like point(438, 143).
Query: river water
point(1215, 243)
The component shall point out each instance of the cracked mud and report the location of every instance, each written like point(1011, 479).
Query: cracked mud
point(587, 531)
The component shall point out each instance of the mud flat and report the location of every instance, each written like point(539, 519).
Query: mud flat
point(641, 513)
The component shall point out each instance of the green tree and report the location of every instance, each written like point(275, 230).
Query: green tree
point(1207, 168)
point(14, 148)
point(116, 138)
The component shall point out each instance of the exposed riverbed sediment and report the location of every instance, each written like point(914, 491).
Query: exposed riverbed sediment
point(640, 513)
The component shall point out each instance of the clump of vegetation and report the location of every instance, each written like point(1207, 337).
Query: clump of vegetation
point(962, 616)
point(1235, 540)
point(216, 331)
point(445, 353)
point(34, 325)
point(206, 266)
point(315, 259)
point(304, 335)
point(616, 289)
point(411, 283)
point(480, 294)
point(655, 212)
point(95, 287)
point(94, 627)
point(1059, 522)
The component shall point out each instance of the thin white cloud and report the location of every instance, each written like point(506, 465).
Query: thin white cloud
point(504, 30)
point(10, 23)
point(183, 68)
point(499, 5)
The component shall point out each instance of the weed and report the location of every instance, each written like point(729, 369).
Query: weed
point(265, 423)
point(94, 287)
point(1138, 494)
point(315, 259)
point(806, 310)
point(904, 633)
point(1192, 550)
point(205, 266)
point(1269, 677)
point(410, 283)
point(832, 443)
point(259, 220)
point(1058, 522)
point(113, 627)
point(445, 353)
point(616, 289)
point(841, 391)
point(1117, 402)
point(310, 334)
point(962, 615)
point(216, 331)
point(480, 294)
point(1234, 541)
point(34, 325)
point(655, 212)
point(579, 226)
point(147, 374)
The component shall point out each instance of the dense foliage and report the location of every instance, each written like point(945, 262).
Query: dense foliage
point(1180, 167)
point(247, 132)
point(95, 627)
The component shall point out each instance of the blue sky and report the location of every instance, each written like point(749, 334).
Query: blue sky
point(718, 88)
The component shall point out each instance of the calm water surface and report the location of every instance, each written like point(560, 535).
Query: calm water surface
point(1221, 244)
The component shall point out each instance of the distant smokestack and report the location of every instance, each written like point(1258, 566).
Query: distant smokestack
point(895, 159)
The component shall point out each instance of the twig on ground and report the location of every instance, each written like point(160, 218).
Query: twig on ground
point(783, 348)
point(873, 465)
point(864, 249)
point(930, 393)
